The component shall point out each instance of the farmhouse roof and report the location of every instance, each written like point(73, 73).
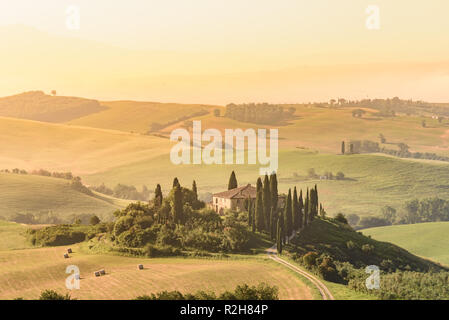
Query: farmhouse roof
point(238, 193)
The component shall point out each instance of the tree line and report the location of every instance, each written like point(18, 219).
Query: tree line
point(261, 113)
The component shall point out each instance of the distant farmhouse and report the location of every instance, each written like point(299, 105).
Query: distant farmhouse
point(235, 199)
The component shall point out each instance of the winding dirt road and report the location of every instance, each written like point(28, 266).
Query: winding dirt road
point(324, 291)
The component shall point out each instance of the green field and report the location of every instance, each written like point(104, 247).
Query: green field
point(23, 194)
point(428, 240)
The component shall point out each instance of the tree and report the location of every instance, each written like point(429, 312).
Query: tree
point(351, 148)
point(177, 208)
point(232, 181)
point(279, 237)
point(288, 214)
point(389, 214)
point(194, 189)
point(267, 202)
point(273, 224)
point(217, 112)
point(53, 92)
point(94, 220)
point(342, 147)
point(300, 211)
point(158, 197)
point(260, 221)
point(176, 183)
point(274, 191)
point(295, 210)
point(382, 138)
point(306, 209)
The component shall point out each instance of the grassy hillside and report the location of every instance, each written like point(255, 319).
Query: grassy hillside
point(373, 181)
point(36, 105)
point(331, 238)
point(22, 194)
point(428, 240)
point(13, 236)
point(25, 273)
point(137, 116)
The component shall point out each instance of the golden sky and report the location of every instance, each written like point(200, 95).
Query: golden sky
point(212, 51)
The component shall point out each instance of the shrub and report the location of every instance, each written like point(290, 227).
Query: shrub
point(53, 295)
point(340, 217)
point(310, 258)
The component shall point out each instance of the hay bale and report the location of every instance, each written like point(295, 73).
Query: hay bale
point(66, 256)
point(140, 266)
point(102, 272)
point(69, 250)
point(97, 273)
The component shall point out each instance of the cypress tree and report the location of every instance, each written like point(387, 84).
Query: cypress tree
point(158, 197)
point(177, 205)
point(342, 147)
point(194, 189)
point(176, 182)
point(253, 218)
point(267, 202)
point(300, 210)
point(279, 236)
point(306, 209)
point(316, 200)
point(250, 212)
point(295, 208)
point(274, 191)
point(273, 227)
point(260, 221)
point(232, 181)
point(288, 214)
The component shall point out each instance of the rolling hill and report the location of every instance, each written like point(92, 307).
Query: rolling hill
point(428, 240)
point(36, 105)
point(23, 194)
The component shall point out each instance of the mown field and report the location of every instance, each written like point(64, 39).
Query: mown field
point(428, 240)
point(25, 273)
point(23, 194)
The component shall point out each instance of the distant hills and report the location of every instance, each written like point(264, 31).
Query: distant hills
point(36, 105)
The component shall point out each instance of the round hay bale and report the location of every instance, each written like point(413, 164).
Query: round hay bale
point(66, 256)
point(140, 266)
point(102, 272)
point(69, 250)
point(97, 273)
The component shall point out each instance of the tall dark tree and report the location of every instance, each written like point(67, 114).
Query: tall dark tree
point(295, 210)
point(195, 190)
point(177, 208)
point(288, 215)
point(176, 182)
point(260, 215)
point(232, 181)
point(306, 209)
point(158, 197)
point(301, 210)
point(279, 235)
point(250, 212)
point(343, 147)
point(274, 191)
point(273, 220)
point(267, 202)
point(253, 218)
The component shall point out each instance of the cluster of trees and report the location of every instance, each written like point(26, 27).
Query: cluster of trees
point(312, 174)
point(123, 191)
point(178, 221)
point(414, 211)
point(367, 146)
point(265, 214)
point(261, 113)
point(262, 291)
point(44, 173)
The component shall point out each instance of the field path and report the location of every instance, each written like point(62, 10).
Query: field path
point(324, 291)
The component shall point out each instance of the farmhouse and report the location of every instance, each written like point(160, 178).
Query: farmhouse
point(235, 199)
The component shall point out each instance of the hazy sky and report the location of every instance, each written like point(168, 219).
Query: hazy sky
point(143, 40)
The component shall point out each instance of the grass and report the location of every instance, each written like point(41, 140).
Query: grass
point(25, 273)
point(22, 194)
point(13, 236)
point(428, 240)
